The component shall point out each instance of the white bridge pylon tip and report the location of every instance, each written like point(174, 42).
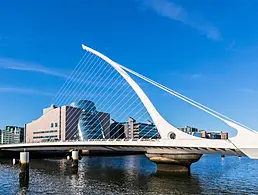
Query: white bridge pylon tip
point(165, 129)
point(85, 47)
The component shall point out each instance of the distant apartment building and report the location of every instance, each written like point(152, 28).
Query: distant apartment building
point(191, 130)
point(188, 129)
point(12, 135)
point(132, 130)
point(217, 135)
point(7, 137)
point(78, 121)
point(137, 130)
point(204, 134)
point(224, 135)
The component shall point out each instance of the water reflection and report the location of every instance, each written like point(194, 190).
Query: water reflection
point(127, 174)
point(130, 175)
point(24, 178)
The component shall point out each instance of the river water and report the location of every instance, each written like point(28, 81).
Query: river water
point(133, 174)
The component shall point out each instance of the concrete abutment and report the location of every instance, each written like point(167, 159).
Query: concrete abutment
point(174, 163)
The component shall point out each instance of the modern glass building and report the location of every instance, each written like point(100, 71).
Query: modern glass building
point(136, 130)
point(148, 131)
point(89, 125)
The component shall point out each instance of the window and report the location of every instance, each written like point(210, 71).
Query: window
point(47, 131)
point(56, 124)
point(49, 137)
point(52, 125)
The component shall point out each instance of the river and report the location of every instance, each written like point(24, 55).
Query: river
point(133, 174)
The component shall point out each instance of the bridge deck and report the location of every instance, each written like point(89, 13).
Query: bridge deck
point(222, 147)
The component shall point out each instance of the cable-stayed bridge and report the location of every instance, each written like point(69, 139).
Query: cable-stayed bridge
point(98, 81)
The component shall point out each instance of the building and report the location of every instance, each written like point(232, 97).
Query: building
point(224, 135)
point(147, 130)
point(192, 131)
point(78, 121)
point(132, 130)
point(188, 129)
point(105, 123)
point(136, 130)
point(203, 133)
point(6, 137)
point(214, 135)
point(12, 135)
point(19, 135)
point(117, 130)
point(217, 135)
point(56, 123)
point(89, 125)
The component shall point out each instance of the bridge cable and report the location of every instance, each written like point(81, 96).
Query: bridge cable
point(184, 98)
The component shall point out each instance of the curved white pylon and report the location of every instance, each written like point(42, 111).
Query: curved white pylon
point(246, 139)
point(162, 125)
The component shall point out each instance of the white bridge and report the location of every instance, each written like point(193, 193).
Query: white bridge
point(172, 140)
point(222, 147)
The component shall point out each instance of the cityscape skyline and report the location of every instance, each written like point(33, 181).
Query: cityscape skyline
point(206, 64)
point(81, 121)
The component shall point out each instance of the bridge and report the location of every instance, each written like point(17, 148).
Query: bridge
point(173, 149)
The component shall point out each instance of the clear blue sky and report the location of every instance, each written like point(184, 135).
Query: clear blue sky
point(206, 50)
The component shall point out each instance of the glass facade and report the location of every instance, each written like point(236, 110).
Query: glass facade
point(148, 131)
point(117, 130)
point(89, 125)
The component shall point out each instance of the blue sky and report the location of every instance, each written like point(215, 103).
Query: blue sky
point(206, 50)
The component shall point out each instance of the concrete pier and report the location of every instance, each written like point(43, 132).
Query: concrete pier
point(174, 163)
point(24, 158)
point(75, 159)
point(24, 168)
point(75, 155)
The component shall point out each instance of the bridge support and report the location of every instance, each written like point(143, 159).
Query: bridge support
point(75, 159)
point(24, 167)
point(75, 155)
point(24, 159)
point(174, 163)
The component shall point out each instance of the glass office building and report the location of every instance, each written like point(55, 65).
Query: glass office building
point(136, 130)
point(148, 131)
point(89, 125)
